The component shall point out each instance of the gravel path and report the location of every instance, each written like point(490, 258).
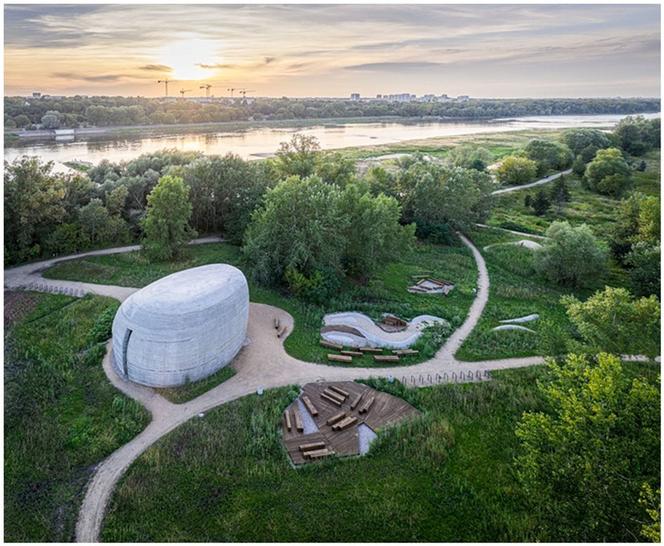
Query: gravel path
point(539, 182)
point(262, 363)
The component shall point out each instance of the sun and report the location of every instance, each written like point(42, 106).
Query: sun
point(190, 59)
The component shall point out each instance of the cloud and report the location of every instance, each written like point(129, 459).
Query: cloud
point(392, 66)
point(156, 68)
point(87, 78)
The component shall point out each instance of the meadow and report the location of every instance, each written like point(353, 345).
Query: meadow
point(62, 416)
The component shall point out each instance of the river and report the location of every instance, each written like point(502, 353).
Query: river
point(257, 143)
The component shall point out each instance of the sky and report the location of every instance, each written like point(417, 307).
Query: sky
point(333, 50)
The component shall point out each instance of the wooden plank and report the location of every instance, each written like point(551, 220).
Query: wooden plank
point(348, 421)
point(289, 425)
point(334, 394)
point(276, 323)
point(339, 390)
point(404, 352)
point(298, 420)
point(318, 453)
point(367, 405)
point(312, 446)
point(340, 358)
point(356, 401)
point(371, 350)
point(333, 400)
point(336, 418)
point(331, 345)
point(310, 406)
point(352, 353)
point(386, 358)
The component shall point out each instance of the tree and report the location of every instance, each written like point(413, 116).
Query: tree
point(582, 462)
point(166, 224)
point(541, 203)
point(516, 171)
point(297, 157)
point(579, 166)
point(116, 199)
point(608, 173)
point(578, 139)
point(93, 218)
point(336, 169)
point(637, 135)
point(571, 256)
point(614, 321)
point(33, 206)
point(559, 194)
point(644, 263)
point(51, 119)
point(548, 155)
point(22, 121)
point(469, 156)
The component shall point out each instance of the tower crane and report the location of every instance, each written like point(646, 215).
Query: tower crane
point(183, 91)
point(207, 87)
point(231, 89)
point(244, 92)
point(165, 82)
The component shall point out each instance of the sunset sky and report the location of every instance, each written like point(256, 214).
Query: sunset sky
point(333, 50)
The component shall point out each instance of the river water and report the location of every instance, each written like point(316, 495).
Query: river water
point(263, 142)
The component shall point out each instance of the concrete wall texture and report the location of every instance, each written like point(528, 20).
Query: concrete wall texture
point(183, 327)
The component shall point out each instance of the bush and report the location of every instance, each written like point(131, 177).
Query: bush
point(571, 256)
point(548, 155)
point(608, 173)
point(516, 171)
point(644, 262)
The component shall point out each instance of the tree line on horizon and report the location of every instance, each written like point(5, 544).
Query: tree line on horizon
point(82, 111)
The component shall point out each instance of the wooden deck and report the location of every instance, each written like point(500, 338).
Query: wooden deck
point(384, 411)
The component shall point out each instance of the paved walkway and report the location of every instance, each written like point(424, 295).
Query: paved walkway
point(539, 182)
point(262, 363)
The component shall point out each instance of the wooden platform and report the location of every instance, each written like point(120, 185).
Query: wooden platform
point(384, 411)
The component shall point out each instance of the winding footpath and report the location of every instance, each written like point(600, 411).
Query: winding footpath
point(539, 182)
point(262, 363)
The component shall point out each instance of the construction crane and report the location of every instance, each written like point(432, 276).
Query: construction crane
point(231, 89)
point(207, 87)
point(183, 91)
point(165, 82)
point(244, 92)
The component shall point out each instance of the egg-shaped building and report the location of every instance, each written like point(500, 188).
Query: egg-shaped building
point(183, 327)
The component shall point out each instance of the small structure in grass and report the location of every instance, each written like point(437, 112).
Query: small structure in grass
point(431, 286)
point(332, 419)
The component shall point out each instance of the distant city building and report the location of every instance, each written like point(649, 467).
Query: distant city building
point(354, 96)
point(36, 95)
point(463, 98)
point(379, 96)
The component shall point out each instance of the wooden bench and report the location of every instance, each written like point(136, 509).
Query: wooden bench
point(401, 352)
point(331, 345)
point(340, 358)
point(317, 454)
point(336, 418)
point(386, 358)
point(310, 406)
point(289, 425)
point(367, 405)
point(329, 398)
point(371, 350)
point(341, 425)
point(352, 353)
point(334, 394)
point(298, 420)
point(276, 323)
point(356, 400)
point(312, 446)
point(339, 390)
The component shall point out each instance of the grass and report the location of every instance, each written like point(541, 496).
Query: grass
point(62, 416)
point(445, 476)
point(384, 292)
point(585, 206)
point(189, 391)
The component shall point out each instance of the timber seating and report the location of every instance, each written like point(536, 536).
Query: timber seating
point(386, 358)
point(335, 394)
point(287, 418)
point(356, 400)
point(310, 406)
point(329, 398)
point(404, 352)
point(339, 358)
point(317, 454)
point(339, 390)
point(352, 353)
point(336, 418)
point(312, 446)
point(341, 425)
point(331, 345)
point(298, 420)
point(371, 350)
point(367, 405)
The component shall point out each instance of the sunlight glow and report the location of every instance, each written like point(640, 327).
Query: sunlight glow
point(185, 57)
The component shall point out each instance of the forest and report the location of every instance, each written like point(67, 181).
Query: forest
point(80, 111)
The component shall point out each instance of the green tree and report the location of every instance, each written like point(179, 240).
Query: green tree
point(51, 120)
point(637, 135)
point(548, 155)
point(614, 321)
point(515, 170)
point(571, 256)
point(469, 156)
point(644, 262)
point(608, 173)
point(116, 199)
point(297, 157)
point(651, 501)
point(579, 166)
point(582, 462)
point(578, 139)
point(334, 168)
point(93, 218)
point(559, 193)
point(541, 203)
point(166, 224)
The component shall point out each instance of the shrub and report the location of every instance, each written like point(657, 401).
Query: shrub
point(608, 173)
point(516, 170)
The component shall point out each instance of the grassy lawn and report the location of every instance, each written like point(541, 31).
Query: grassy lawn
point(62, 416)
point(585, 206)
point(189, 391)
point(446, 476)
point(384, 293)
